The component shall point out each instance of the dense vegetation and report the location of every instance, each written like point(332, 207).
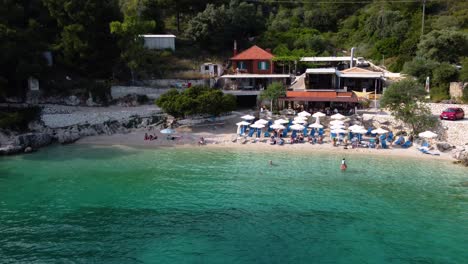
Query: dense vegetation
point(405, 100)
point(99, 39)
point(197, 100)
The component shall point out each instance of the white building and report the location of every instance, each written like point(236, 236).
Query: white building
point(211, 69)
point(159, 41)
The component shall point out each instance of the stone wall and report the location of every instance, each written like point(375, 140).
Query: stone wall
point(152, 93)
point(438, 108)
point(456, 89)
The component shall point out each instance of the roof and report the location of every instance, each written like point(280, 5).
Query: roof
point(158, 36)
point(356, 72)
point(326, 59)
point(321, 70)
point(253, 53)
point(247, 75)
point(321, 96)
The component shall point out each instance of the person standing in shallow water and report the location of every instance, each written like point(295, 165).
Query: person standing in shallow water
point(343, 166)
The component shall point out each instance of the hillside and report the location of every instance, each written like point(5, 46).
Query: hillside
point(98, 40)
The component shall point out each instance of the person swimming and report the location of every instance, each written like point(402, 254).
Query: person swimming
point(343, 166)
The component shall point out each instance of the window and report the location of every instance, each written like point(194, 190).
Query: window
point(207, 67)
point(241, 65)
point(263, 65)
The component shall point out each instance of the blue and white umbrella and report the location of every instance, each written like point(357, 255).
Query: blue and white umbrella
point(168, 131)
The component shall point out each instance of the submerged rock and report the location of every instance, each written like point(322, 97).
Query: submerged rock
point(10, 150)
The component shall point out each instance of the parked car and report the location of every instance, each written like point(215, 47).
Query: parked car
point(452, 113)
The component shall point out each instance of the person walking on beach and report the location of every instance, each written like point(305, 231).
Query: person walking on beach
point(343, 165)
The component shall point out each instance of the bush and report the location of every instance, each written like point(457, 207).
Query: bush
point(439, 93)
point(196, 100)
point(18, 119)
point(465, 95)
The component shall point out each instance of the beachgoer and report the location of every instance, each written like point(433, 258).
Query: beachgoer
point(343, 166)
point(271, 163)
point(146, 136)
point(202, 141)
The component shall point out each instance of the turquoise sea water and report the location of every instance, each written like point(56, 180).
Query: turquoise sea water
point(82, 204)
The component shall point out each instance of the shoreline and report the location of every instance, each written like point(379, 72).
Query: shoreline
point(134, 140)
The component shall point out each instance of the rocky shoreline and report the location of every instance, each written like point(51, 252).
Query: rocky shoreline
point(65, 125)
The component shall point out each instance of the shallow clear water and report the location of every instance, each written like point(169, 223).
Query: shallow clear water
point(81, 204)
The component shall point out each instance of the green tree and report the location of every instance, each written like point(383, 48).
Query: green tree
point(464, 70)
point(133, 52)
point(196, 100)
point(405, 99)
point(273, 91)
point(444, 45)
point(84, 42)
point(420, 68)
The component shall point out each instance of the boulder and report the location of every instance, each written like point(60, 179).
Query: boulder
point(72, 100)
point(67, 136)
point(28, 150)
point(10, 150)
point(34, 140)
point(460, 153)
point(443, 146)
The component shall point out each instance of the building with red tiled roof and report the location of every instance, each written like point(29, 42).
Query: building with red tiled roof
point(253, 60)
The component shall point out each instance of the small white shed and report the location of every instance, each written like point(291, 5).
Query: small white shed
point(159, 41)
point(212, 69)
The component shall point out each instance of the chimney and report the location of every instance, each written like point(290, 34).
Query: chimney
point(351, 62)
point(235, 48)
point(268, 50)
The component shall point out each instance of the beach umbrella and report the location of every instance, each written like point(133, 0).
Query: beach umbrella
point(281, 121)
point(301, 118)
point(277, 126)
point(337, 127)
point(318, 114)
point(168, 131)
point(299, 121)
point(248, 117)
point(339, 131)
point(261, 121)
point(360, 131)
point(427, 134)
point(257, 125)
point(379, 131)
point(316, 125)
point(304, 113)
point(337, 116)
point(243, 123)
point(336, 122)
point(355, 127)
point(297, 127)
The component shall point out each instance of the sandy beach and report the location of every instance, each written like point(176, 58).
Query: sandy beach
point(221, 137)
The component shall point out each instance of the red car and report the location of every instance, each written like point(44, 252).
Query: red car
point(452, 114)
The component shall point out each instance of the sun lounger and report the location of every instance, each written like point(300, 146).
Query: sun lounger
point(407, 144)
point(399, 141)
point(251, 132)
point(259, 133)
point(320, 132)
point(305, 132)
point(267, 134)
point(285, 133)
point(312, 132)
point(390, 137)
point(384, 144)
point(368, 133)
point(294, 134)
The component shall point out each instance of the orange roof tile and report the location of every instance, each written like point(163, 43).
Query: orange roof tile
point(253, 53)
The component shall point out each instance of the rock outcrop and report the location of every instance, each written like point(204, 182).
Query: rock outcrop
point(34, 140)
point(460, 153)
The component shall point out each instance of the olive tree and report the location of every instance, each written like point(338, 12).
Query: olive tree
point(406, 101)
point(273, 92)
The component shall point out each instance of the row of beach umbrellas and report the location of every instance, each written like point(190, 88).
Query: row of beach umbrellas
point(337, 124)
